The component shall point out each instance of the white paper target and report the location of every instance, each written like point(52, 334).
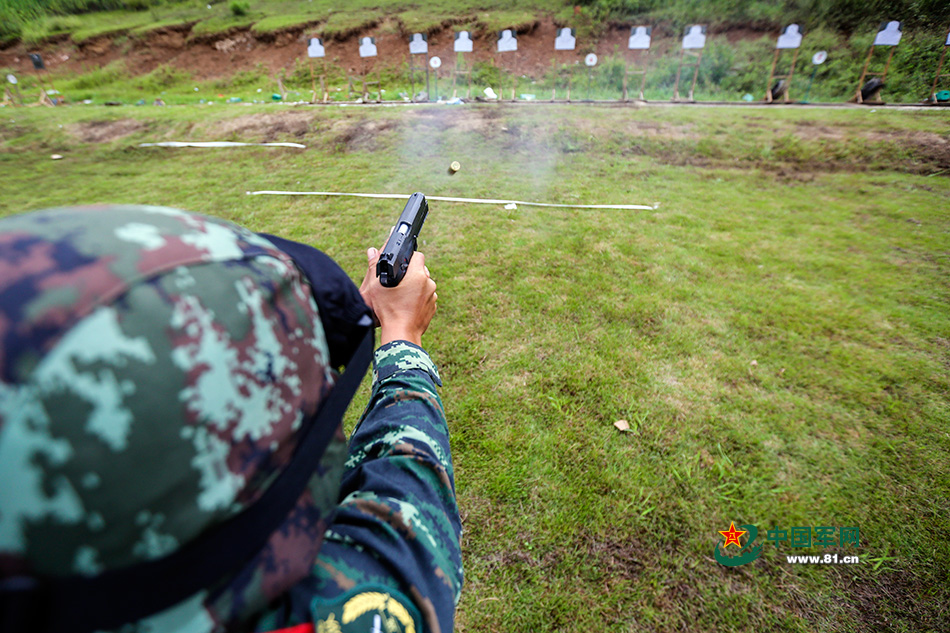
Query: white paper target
point(507, 41)
point(889, 34)
point(819, 57)
point(463, 42)
point(368, 47)
point(13, 80)
point(566, 40)
point(435, 62)
point(791, 37)
point(695, 37)
point(315, 47)
point(591, 59)
point(640, 37)
point(948, 39)
point(419, 44)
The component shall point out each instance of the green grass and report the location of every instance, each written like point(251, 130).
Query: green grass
point(776, 332)
point(272, 15)
point(276, 23)
point(728, 72)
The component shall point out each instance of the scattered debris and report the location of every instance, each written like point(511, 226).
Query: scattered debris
point(220, 144)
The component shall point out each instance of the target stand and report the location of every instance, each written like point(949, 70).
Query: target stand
point(781, 90)
point(39, 65)
point(688, 59)
point(691, 55)
point(565, 46)
point(315, 49)
point(463, 72)
point(780, 85)
point(367, 50)
point(938, 76)
point(363, 81)
point(564, 75)
point(420, 70)
point(419, 46)
point(639, 70)
point(889, 35)
point(639, 42)
point(858, 97)
point(323, 84)
point(12, 95)
point(364, 93)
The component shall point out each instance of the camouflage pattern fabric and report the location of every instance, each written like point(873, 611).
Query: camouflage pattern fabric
point(155, 369)
point(391, 560)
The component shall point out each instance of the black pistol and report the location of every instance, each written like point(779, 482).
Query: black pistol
point(394, 260)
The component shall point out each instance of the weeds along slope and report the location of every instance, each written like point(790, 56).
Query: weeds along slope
point(775, 332)
point(233, 49)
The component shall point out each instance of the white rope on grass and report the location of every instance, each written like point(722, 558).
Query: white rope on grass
point(219, 144)
point(389, 196)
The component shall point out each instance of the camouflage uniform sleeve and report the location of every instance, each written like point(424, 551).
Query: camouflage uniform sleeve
point(395, 538)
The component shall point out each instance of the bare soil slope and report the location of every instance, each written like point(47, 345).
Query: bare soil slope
point(224, 54)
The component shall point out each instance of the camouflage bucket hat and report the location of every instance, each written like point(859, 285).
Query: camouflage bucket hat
point(156, 370)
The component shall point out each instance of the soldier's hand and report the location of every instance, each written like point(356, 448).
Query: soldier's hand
point(403, 312)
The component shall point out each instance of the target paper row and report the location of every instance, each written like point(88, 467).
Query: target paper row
point(640, 38)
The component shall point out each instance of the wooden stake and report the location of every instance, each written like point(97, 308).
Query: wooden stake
point(695, 75)
point(768, 85)
point(933, 88)
point(864, 72)
point(313, 82)
point(676, 84)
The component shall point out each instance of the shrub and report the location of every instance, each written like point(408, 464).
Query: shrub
point(239, 8)
point(99, 77)
point(161, 78)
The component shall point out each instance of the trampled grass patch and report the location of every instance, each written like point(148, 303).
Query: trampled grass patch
point(775, 332)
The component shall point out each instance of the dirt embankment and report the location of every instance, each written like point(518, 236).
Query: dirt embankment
point(224, 54)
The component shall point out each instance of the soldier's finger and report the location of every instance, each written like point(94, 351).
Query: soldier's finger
point(417, 263)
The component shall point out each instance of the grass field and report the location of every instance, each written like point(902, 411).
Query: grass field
point(271, 15)
point(776, 332)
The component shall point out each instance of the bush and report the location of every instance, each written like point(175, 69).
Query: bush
point(161, 78)
point(485, 75)
point(9, 30)
point(239, 9)
point(99, 77)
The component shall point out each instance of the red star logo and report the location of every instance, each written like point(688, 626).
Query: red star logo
point(732, 536)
